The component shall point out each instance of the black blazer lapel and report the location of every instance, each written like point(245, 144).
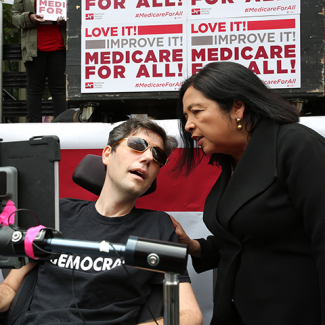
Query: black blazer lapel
point(213, 199)
point(257, 168)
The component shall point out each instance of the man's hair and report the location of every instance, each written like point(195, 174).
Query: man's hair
point(134, 125)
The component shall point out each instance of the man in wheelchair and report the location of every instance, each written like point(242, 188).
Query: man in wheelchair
point(83, 289)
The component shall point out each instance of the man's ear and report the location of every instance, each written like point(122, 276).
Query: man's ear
point(106, 154)
point(238, 109)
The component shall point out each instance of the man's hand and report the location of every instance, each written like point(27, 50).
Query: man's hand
point(7, 295)
point(36, 19)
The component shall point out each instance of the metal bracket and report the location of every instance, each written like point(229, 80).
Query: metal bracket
point(87, 110)
point(298, 102)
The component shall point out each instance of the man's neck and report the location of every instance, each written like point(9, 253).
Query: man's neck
point(111, 204)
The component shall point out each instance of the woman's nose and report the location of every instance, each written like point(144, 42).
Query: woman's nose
point(189, 126)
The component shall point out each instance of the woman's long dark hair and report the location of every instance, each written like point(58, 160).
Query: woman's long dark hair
point(224, 82)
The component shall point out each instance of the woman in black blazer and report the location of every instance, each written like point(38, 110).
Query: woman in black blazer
point(267, 209)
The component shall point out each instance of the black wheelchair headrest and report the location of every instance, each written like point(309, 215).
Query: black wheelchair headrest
point(90, 174)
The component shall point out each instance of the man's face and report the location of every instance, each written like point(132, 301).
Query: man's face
point(130, 172)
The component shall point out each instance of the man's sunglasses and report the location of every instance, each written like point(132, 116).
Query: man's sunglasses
point(141, 145)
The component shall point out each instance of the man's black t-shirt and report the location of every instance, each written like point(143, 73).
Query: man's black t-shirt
point(104, 292)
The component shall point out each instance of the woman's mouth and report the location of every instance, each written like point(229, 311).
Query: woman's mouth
point(199, 141)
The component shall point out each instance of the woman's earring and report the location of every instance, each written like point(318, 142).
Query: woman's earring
point(239, 126)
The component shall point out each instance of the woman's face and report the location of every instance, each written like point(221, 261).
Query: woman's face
point(214, 130)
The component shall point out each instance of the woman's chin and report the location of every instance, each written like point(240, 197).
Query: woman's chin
point(207, 152)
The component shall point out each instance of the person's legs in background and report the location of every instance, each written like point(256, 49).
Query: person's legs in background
point(56, 80)
point(36, 73)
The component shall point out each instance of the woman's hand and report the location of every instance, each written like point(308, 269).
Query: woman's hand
point(194, 247)
point(36, 19)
